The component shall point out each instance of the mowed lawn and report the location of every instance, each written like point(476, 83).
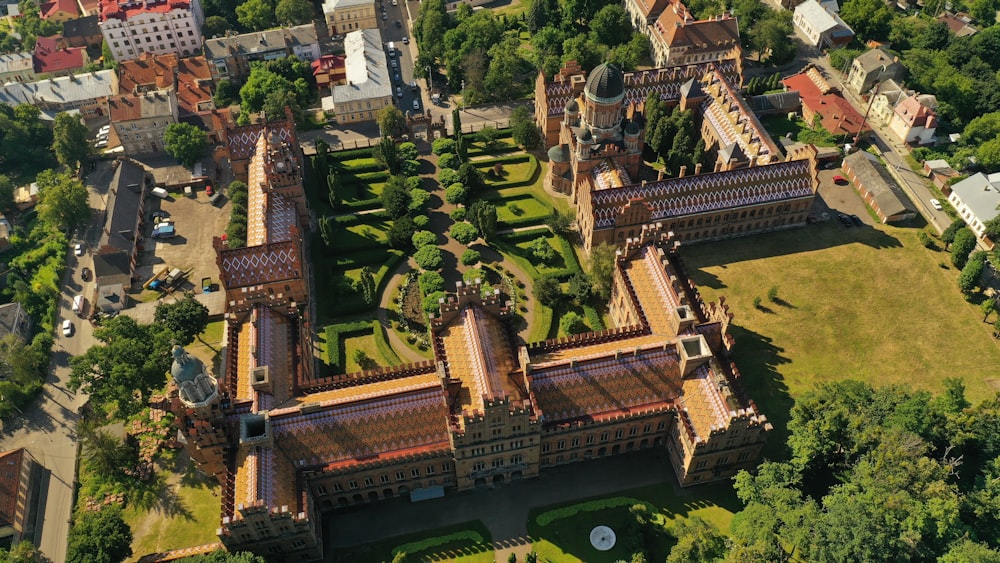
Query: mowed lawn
point(865, 303)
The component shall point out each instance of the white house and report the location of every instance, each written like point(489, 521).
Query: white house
point(821, 27)
point(133, 27)
point(369, 82)
point(976, 199)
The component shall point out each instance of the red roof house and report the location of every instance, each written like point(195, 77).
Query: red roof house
point(59, 11)
point(819, 98)
point(49, 58)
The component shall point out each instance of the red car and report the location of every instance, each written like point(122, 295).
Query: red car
point(208, 190)
point(838, 179)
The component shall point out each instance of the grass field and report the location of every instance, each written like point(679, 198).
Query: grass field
point(779, 126)
point(871, 304)
point(516, 172)
point(523, 209)
point(567, 539)
point(365, 343)
point(468, 542)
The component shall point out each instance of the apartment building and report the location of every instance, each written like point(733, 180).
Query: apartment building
point(134, 27)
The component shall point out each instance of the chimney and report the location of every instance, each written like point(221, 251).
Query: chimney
point(697, 168)
point(683, 171)
point(659, 176)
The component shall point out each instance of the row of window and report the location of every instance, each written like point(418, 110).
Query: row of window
point(145, 30)
point(498, 463)
point(604, 437)
point(382, 479)
point(722, 460)
point(356, 15)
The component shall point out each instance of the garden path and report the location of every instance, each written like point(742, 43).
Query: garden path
point(405, 353)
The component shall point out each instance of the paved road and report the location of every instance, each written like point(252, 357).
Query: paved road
point(48, 427)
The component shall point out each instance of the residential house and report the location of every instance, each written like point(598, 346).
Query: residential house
point(139, 120)
point(17, 67)
point(190, 78)
point(878, 188)
point(134, 27)
point(83, 32)
point(369, 86)
point(959, 24)
point(821, 27)
point(59, 11)
point(123, 231)
point(941, 173)
point(343, 16)
point(977, 200)
point(230, 57)
point(914, 120)
point(86, 92)
point(20, 476)
point(884, 98)
point(89, 7)
point(51, 59)
point(329, 71)
point(872, 67)
point(677, 38)
point(25, 197)
point(14, 320)
point(822, 102)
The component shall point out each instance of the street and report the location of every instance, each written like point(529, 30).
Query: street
point(47, 428)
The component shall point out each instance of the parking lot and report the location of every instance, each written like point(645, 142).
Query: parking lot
point(839, 198)
point(196, 221)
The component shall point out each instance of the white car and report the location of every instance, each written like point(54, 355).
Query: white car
point(936, 205)
point(78, 249)
point(67, 328)
point(104, 130)
point(399, 92)
point(406, 40)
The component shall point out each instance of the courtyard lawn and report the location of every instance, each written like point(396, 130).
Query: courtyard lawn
point(555, 265)
point(365, 343)
point(512, 172)
point(778, 126)
point(562, 532)
point(186, 515)
point(865, 303)
point(468, 542)
point(521, 210)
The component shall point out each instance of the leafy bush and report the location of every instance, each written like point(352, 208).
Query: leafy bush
point(442, 146)
point(550, 516)
point(429, 257)
point(334, 335)
point(572, 323)
point(542, 250)
point(464, 232)
point(449, 160)
point(418, 199)
point(430, 302)
point(470, 257)
point(455, 194)
point(408, 151)
point(430, 282)
point(447, 176)
point(458, 214)
point(421, 220)
point(965, 241)
point(423, 238)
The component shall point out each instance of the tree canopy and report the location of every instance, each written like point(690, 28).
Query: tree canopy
point(69, 139)
point(99, 537)
point(63, 202)
point(186, 318)
point(293, 12)
point(185, 142)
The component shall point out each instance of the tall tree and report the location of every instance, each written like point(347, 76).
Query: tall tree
point(255, 14)
point(293, 12)
point(483, 215)
point(602, 268)
point(69, 140)
point(63, 202)
point(395, 197)
point(965, 242)
point(99, 537)
point(185, 142)
point(386, 153)
point(612, 25)
point(525, 132)
point(390, 121)
point(186, 318)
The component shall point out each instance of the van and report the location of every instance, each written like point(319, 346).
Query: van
point(160, 193)
point(216, 199)
point(391, 47)
point(77, 303)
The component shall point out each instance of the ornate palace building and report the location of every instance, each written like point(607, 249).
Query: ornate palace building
point(290, 448)
point(594, 127)
point(677, 38)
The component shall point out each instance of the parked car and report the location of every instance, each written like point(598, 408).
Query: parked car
point(936, 204)
point(845, 220)
point(159, 214)
point(399, 23)
point(78, 249)
point(85, 274)
point(385, 16)
point(416, 104)
point(838, 179)
point(406, 40)
point(857, 220)
point(393, 63)
point(399, 91)
point(67, 328)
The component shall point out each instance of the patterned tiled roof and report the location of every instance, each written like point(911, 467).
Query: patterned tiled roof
point(382, 426)
point(635, 381)
point(657, 296)
point(702, 402)
point(666, 82)
point(707, 192)
point(255, 265)
point(243, 140)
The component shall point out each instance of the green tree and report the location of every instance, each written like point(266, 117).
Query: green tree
point(260, 84)
point(948, 236)
point(524, 130)
point(464, 232)
point(428, 258)
point(429, 30)
point(431, 282)
point(560, 223)
point(964, 243)
point(423, 238)
point(697, 540)
point(470, 257)
point(483, 215)
point(612, 25)
point(386, 153)
point(215, 26)
point(255, 15)
point(870, 19)
point(293, 12)
point(580, 288)
point(449, 160)
point(968, 551)
point(418, 199)
point(186, 318)
point(63, 202)
point(443, 145)
point(769, 38)
point(6, 192)
point(395, 197)
point(541, 249)
point(226, 93)
point(602, 269)
point(400, 233)
point(489, 137)
point(99, 537)
point(971, 273)
point(185, 142)
point(988, 307)
point(131, 360)
point(69, 140)
point(988, 155)
point(22, 552)
point(547, 290)
point(572, 323)
point(107, 455)
point(366, 286)
point(226, 557)
point(390, 120)
point(455, 194)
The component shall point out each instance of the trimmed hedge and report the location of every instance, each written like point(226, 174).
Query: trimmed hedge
point(333, 335)
point(352, 154)
point(594, 320)
point(569, 255)
point(524, 236)
point(383, 346)
point(358, 165)
point(550, 516)
point(423, 545)
point(362, 204)
point(390, 260)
